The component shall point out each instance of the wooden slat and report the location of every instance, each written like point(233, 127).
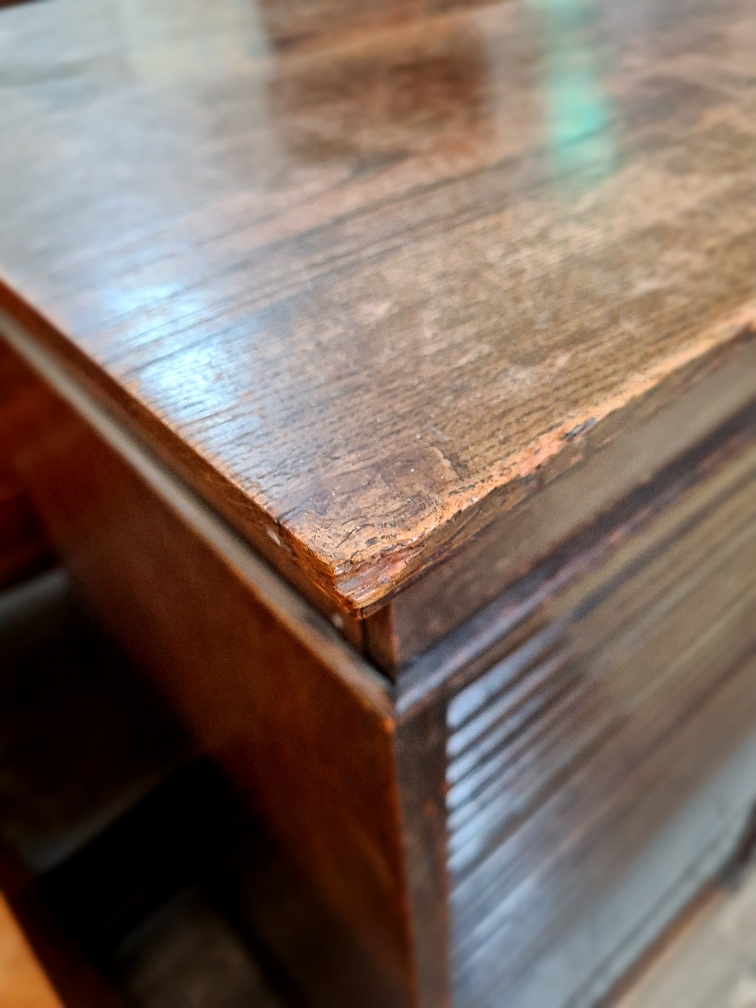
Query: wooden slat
point(598, 773)
point(599, 733)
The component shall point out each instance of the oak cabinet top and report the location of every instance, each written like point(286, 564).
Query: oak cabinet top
point(366, 279)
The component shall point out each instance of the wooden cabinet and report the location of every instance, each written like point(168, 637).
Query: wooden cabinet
point(398, 415)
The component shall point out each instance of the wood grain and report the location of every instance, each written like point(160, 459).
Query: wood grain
point(669, 444)
point(301, 725)
point(599, 740)
point(354, 285)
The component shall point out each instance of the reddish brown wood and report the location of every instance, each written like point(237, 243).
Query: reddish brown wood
point(301, 725)
point(673, 442)
point(413, 325)
point(635, 660)
point(24, 549)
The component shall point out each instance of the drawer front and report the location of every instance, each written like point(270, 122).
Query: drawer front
point(599, 771)
point(596, 727)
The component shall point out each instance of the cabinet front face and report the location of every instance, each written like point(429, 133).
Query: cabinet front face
point(598, 757)
point(607, 475)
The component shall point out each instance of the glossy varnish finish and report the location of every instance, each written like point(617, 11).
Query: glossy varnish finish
point(359, 287)
point(474, 828)
point(453, 320)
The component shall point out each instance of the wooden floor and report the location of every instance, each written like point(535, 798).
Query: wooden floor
point(711, 962)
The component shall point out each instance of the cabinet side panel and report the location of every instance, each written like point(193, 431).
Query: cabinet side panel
point(297, 721)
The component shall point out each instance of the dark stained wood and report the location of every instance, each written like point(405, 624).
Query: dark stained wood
point(629, 688)
point(15, 378)
point(666, 784)
point(517, 613)
point(599, 739)
point(632, 687)
point(24, 550)
point(567, 516)
point(366, 286)
point(452, 320)
point(433, 605)
point(83, 736)
point(421, 779)
point(301, 725)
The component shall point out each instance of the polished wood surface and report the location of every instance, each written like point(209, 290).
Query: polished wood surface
point(22, 981)
point(452, 320)
point(360, 286)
